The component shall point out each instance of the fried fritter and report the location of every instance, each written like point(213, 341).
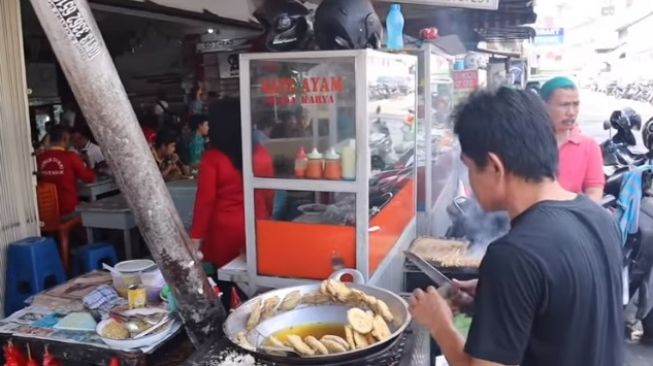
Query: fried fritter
point(255, 315)
point(299, 345)
point(316, 345)
point(290, 301)
point(360, 320)
point(380, 329)
point(270, 307)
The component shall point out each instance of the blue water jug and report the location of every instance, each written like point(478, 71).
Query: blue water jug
point(394, 23)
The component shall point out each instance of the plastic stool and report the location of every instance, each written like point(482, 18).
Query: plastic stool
point(90, 257)
point(33, 265)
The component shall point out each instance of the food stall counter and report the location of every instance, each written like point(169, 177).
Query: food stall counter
point(343, 145)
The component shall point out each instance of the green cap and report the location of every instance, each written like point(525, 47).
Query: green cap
point(554, 84)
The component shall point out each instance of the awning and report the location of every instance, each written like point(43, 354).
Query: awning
point(236, 13)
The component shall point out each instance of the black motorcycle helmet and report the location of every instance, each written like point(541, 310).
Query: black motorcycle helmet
point(647, 134)
point(626, 119)
point(347, 24)
point(289, 32)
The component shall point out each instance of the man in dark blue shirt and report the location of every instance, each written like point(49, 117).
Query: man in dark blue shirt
point(549, 291)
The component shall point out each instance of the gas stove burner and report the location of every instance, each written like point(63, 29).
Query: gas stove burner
point(398, 353)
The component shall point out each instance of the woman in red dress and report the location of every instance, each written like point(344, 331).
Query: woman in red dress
point(219, 215)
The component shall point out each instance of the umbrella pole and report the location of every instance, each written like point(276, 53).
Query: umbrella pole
point(82, 53)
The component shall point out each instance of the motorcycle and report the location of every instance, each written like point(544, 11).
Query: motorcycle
point(638, 247)
point(618, 158)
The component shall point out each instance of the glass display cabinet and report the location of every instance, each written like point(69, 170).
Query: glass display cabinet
point(329, 145)
point(437, 147)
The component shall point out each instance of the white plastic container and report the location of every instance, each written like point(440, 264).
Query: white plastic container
point(348, 159)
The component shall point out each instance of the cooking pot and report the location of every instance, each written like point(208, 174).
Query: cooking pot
point(312, 314)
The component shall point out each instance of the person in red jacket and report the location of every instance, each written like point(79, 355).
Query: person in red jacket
point(63, 168)
point(218, 228)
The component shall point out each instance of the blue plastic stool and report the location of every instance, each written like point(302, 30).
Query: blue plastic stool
point(91, 256)
point(33, 265)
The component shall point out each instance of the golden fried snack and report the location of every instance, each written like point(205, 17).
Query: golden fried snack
point(382, 309)
point(333, 346)
point(275, 342)
point(290, 301)
point(316, 345)
point(270, 307)
point(242, 340)
point(338, 290)
point(315, 298)
point(356, 298)
point(115, 330)
point(359, 320)
point(336, 339)
point(370, 301)
point(349, 334)
point(298, 344)
point(360, 340)
point(323, 287)
point(255, 315)
point(380, 328)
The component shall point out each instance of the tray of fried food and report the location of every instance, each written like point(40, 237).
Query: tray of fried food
point(446, 253)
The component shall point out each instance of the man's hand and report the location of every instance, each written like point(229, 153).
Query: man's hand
point(462, 298)
point(468, 287)
point(430, 310)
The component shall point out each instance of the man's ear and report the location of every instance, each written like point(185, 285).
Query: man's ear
point(495, 164)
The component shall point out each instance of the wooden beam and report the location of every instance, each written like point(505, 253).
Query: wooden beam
point(82, 53)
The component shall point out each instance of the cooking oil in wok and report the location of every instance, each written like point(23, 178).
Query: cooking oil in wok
point(317, 330)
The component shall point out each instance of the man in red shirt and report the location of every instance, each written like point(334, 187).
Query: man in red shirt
point(581, 162)
point(63, 168)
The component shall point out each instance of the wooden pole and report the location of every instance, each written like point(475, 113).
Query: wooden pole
point(82, 53)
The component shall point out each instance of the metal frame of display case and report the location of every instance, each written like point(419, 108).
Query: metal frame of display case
point(433, 220)
point(388, 274)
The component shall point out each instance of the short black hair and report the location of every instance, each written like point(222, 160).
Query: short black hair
point(57, 133)
point(84, 131)
point(165, 137)
point(514, 125)
point(197, 119)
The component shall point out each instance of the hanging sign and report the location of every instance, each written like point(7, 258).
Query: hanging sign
point(222, 45)
point(470, 4)
point(228, 64)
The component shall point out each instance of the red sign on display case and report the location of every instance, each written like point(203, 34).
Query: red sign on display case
point(309, 90)
point(465, 79)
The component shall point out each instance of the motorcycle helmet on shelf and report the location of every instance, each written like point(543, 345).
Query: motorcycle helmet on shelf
point(289, 32)
point(626, 119)
point(647, 134)
point(347, 24)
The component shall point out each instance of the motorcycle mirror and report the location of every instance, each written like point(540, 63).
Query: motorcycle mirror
point(606, 125)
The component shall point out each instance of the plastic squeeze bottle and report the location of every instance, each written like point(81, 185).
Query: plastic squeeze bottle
point(394, 23)
point(332, 166)
point(315, 165)
point(301, 161)
point(348, 160)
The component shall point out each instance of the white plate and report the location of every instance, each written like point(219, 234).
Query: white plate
point(146, 341)
point(136, 265)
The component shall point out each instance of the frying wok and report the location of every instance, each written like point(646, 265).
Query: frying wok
point(313, 314)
